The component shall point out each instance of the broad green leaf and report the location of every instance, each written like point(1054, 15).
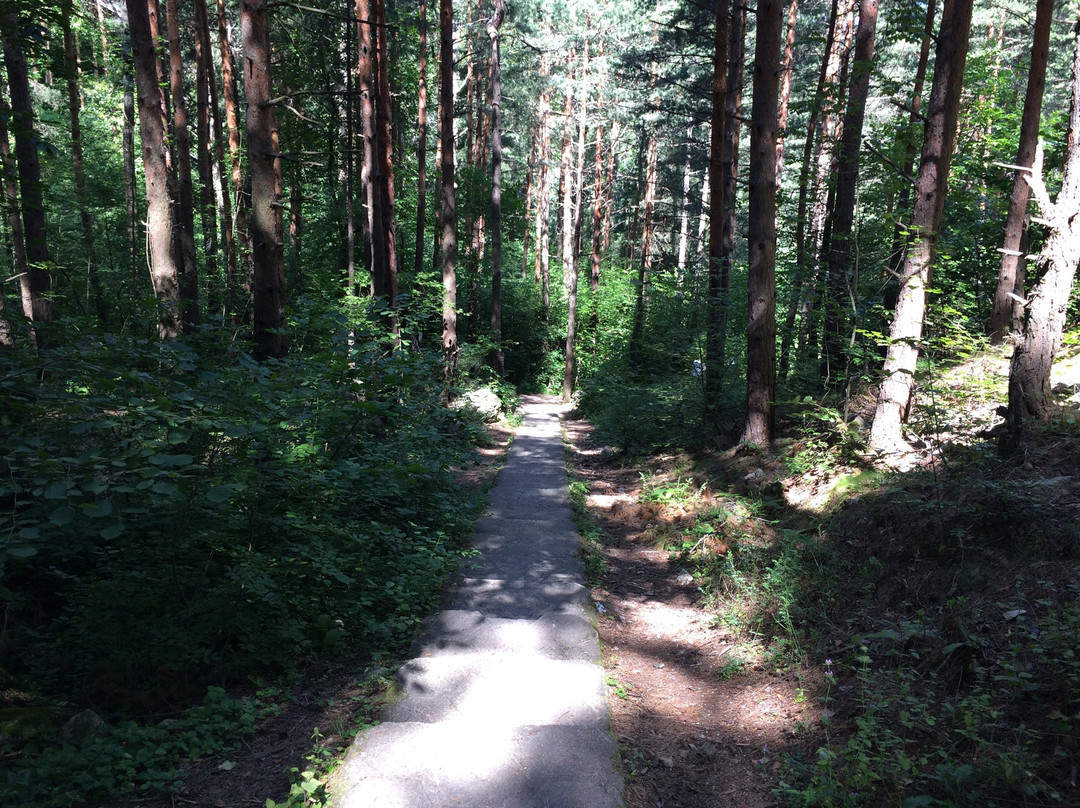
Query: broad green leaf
point(179, 436)
point(165, 489)
point(58, 490)
point(220, 493)
point(22, 551)
point(62, 516)
point(112, 531)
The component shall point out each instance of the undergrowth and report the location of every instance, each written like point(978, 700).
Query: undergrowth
point(179, 516)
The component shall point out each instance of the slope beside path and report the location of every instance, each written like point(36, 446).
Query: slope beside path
point(504, 705)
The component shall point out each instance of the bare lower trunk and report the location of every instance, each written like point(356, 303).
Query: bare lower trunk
point(496, 186)
point(939, 133)
point(449, 205)
point(14, 219)
point(238, 293)
point(421, 146)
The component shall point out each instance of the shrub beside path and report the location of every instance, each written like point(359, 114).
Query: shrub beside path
point(504, 704)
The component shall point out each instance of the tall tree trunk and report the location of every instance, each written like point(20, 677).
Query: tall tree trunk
point(371, 178)
point(14, 218)
point(185, 233)
point(74, 105)
point(761, 235)
point(843, 217)
point(902, 229)
point(717, 288)
point(530, 196)
point(449, 203)
point(1033, 359)
point(801, 282)
point(788, 68)
point(543, 183)
point(939, 133)
point(1007, 292)
point(387, 288)
point(421, 146)
point(496, 186)
point(160, 214)
point(225, 213)
point(644, 278)
point(131, 196)
point(566, 192)
point(264, 169)
point(204, 77)
point(684, 212)
point(579, 205)
point(237, 302)
point(347, 143)
point(29, 169)
point(610, 182)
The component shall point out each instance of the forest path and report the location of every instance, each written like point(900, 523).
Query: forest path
point(504, 704)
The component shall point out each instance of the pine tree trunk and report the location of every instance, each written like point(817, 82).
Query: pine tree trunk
point(131, 196)
point(684, 213)
point(717, 288)
point(218, 166)
point(843, 218)
point(644, 278)
point(421, 146)
point(788, 70)
point(902, 229)
point(160, 214)
point(530, 196)
point(237, 302)
point(449, 204)
point(371, 178)
point(566, 193)
point(1033, 359)
point(496, 187)
point(185, 233)
point(29, 170)
point(939, 133)
point(264, 169)
point(74, 105)
point(1007, 290)
point(802, 281)
point(761, 235)
point(387, 287)
point(14, 219)
point(208, 213)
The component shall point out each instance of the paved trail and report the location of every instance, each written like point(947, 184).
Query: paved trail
point(505, 703)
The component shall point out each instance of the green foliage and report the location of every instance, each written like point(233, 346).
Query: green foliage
point(180, 515)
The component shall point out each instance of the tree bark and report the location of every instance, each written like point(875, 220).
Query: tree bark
point(761, 235)
point(802, 282)
point(131, 197)
point(371, 177)
point(579, 205)
point(1033, 359)
point(1007, 291)
point(788, 68)
point(208, 212)
point(225, 213)
point(264, 169)
point(939, 133)
point(29, 171)
point(14, 218)
point(684, 212)
point(717, 288)
point(74, 105)
point(644, 277)
point(185, 233)
point(232, 124)
point(843, 218)
point(160, 214)
point(387, 287)
point(496, 186)
point(421, 146)
point(449, 203)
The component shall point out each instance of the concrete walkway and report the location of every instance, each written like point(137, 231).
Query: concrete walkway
point(504, 705)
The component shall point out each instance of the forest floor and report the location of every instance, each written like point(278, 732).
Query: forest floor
point(693, 726)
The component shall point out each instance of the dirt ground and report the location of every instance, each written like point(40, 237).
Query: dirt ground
point(692, 732)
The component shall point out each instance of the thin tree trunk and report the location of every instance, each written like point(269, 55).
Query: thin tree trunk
point(788, 70)
point(902, 229)
point(496, 186)
point(717, 288)
point(939, 133)
point(566, 192)
point(843, 218)
point(421, 146)
point(530, 196)
point(204, 76)
point(131, 197)
point(232, 124)
point(802, 281)
point(1007, 292)
point(579, 205)
point(597, 214)
point(225, 213)
point(264, 169)
point(14, 219)
point(761, 235)
point(74, 105)
point(449, 204)
point(641, 293)
point(610, 182)
point(684, 213)
point(185, 234)
point(387, 287)
point(160, 214)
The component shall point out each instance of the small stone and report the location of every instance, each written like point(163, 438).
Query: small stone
point(81, 727)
